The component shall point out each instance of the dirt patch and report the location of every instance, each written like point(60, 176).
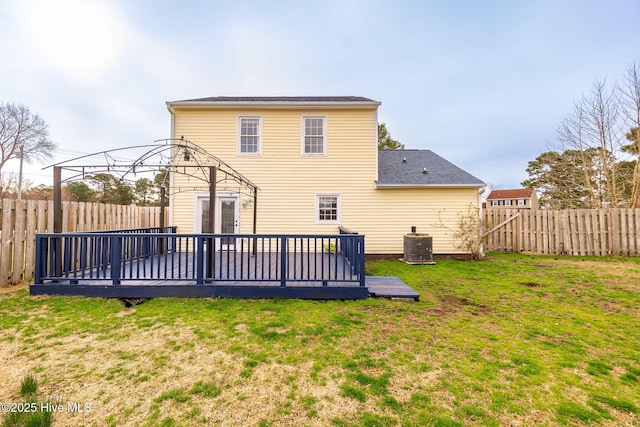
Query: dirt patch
point(610, 307)
point(531, 284)
point(450, 300)
point(544, 266)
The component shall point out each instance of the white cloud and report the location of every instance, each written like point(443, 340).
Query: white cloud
point(80, 39)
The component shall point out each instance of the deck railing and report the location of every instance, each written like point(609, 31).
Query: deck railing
point(350, 249)
point(166, 229)
point(132, 256)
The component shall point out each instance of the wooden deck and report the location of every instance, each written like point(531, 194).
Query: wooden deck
point(240, 275)
point(145, 263)
point(230, 274)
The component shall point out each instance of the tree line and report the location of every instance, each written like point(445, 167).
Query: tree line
point(596, 161)
point(100, 187)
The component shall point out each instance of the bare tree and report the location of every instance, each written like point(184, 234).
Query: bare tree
point(630, 101)
point(470, 232)
point(8, 185)
point(595, 124)
point(22, 130)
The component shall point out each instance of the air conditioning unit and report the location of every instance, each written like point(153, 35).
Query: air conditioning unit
point(418, 248)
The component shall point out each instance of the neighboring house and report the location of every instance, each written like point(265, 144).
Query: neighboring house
point(317, 166)
point(520, 198)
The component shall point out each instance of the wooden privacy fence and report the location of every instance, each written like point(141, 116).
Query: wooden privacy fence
point(22, 219)
point(600, 232)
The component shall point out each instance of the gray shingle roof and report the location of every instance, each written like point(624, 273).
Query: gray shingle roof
point(406, 168)
point(332, 99)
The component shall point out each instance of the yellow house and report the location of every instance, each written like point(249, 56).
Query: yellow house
point(317, 166)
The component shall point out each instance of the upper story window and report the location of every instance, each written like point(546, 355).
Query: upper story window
point(250, 135)
point(507, 202)
point(495, 203)
point(314, 135)
point(522, 202)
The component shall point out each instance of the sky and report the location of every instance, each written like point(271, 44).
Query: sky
point(481, 83)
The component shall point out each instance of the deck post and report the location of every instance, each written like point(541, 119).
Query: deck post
point(116, 259)
point(283, 261)
point(360, 245)
point(200, 260)
point(41, 259)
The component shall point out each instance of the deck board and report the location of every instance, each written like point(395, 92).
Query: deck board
point(390, 287)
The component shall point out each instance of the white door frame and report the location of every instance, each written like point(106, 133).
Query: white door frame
point(221, 196)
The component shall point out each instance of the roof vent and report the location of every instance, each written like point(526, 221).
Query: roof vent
point(424, 171)
point(404, 160)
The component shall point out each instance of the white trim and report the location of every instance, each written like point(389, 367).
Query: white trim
point(293, 105)
point(198, 196)
point(239, 131)
point(324, 136)
point(377, 150)
point(317, 219)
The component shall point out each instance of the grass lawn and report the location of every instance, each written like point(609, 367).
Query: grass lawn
point(514, 340)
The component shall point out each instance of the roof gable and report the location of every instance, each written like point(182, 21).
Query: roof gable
point(406, 168)
point(518, 193)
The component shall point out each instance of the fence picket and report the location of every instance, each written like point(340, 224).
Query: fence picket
point(6, 254)
point(636, 234)
point(18, 240)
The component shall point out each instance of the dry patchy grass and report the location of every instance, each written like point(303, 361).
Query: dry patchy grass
point(515, 340)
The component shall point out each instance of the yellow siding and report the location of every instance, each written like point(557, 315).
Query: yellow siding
point(288, 181)
point(384, 216)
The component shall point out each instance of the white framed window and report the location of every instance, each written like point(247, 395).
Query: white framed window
point(495, 203)
point(507, 202)
point(249, 135)
point(522, 202)
point(328, 208)
point(314, 136)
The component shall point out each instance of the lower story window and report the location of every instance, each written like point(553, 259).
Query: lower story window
point(328, 208)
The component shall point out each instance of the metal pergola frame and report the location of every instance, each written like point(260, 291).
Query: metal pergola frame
point(176, 156)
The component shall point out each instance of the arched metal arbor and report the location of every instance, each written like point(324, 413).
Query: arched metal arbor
point(171, 156)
